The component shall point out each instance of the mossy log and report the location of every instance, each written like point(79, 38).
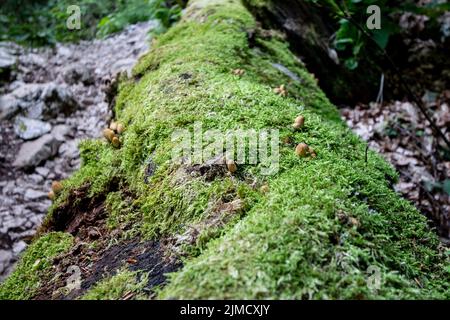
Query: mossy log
point(321, 227)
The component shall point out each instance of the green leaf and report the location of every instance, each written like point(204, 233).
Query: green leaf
point(446, 186)
point(351, 63)
point(381, 37)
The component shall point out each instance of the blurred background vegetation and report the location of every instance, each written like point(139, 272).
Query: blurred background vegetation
point(43, 22)
point(350, 40)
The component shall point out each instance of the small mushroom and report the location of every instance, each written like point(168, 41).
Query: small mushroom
point(287, 140)
point(300, 119)
point(281, 90)
point(354, 222)
point(115, 142)
point(56, 187)
point(51, 195)
point(108, 134)
point(238, 72)
point(120, 128)
point(113, 125)
point(231, 166)
point(312, 152)
point(264, 188)
point(301, 149)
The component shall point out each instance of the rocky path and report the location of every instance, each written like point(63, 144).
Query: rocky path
point(52, 98)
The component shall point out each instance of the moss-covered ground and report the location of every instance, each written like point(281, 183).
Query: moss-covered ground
point(319, 231)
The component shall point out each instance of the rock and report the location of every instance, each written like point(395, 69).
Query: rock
point(60, 132)
point(70, 149)
point(15, 85)
point(43, 171)
point(123, 65)
point(63, 51)
point(35, 178)
point(78, 73)
point(58, 99)
point(9, 106)
point(5, 257)
point(19, 247)
point(28, 129)
point(18, 210)
point(31, 194)
point(7, 59)
point(36, 60)
point(33, 153)
point(14, 223)
point(44, 100)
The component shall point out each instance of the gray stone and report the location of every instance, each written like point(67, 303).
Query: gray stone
point(28, 91)
point(36, 60)
point(18, 210)
point(78, 73)
point(21, 235)
point(5, 258)
point(61, 131)
point(28, 129)
point(15, 85)
point(63, 51)
point(31, 194)
point(58, 99)
point(36, 219)
point(35, 178)
point(69, 149)
point(34, 152)
point(18, 247)
point(44, 100)
point(16, 223)
point(7, 57)
point(43, 171)
point(9, 106)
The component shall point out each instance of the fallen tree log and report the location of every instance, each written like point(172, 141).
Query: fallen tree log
point(326, 224)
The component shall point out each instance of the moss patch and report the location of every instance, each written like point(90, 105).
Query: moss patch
point(123, 285)
point(37, 260)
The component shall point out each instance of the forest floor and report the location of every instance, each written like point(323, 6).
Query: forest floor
point(56, 97)
point(399, 132)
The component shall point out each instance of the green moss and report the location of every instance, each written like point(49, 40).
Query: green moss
point(323, 223)
point(116, 287)
point(122, 213)
point(24, 281)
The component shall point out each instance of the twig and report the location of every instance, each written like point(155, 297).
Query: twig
point(380, 92)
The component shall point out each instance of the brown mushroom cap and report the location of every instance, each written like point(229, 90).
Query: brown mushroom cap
point(231, 166)
point(301, 149)
point(115, 142)
point(56, 187)
point(108, 134)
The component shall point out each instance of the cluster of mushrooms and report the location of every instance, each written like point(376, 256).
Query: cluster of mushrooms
point(111, 133)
